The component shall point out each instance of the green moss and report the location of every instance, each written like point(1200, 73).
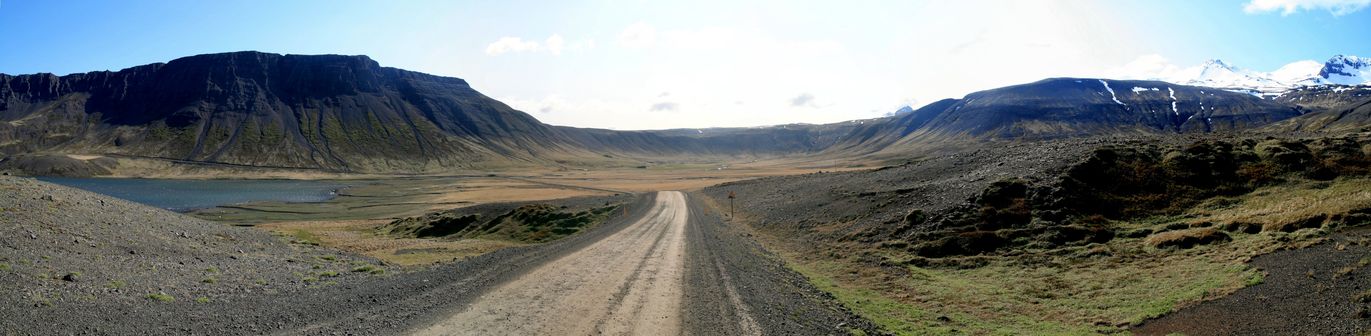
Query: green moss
point(202, 300)
point(41, 300)
point(1256, 279)
point(162, 297)
point(116, 284)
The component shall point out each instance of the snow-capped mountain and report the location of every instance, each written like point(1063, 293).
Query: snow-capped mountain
point(1346, 70)
point(1215, 73)
point(1338, 70)
point(1300, 73)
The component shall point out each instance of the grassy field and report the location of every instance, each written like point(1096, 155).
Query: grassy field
point(1093, 289)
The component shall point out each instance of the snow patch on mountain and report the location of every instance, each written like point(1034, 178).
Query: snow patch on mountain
point(1300, 72)
point(1174, 108)
point(1111, 93)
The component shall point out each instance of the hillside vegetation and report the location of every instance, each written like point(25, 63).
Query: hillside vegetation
point(1127, 232)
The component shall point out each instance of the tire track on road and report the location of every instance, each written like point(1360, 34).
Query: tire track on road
point(626, 283)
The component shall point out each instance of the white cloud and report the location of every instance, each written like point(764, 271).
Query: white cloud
point(510, 44)
point(554, 45)
point(664, 106)
point(708, 69)
point(1150, 66)
point(1287, 7)
point(804, 99)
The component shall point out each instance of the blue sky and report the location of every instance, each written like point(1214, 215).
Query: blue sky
point(668, 64)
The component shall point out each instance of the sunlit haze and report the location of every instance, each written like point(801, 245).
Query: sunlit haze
point(686, 64)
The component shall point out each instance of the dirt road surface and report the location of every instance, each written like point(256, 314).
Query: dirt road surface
point(627, 283)
point(667, 265)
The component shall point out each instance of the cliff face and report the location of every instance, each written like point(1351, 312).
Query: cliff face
point(339, 112)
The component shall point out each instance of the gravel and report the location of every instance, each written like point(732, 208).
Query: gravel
point(1309, 291)
point(736, 287)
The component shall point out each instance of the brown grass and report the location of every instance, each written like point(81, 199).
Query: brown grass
point(1276, 206)
point(1099, 289)
point(1186, 238)
point(358, 236)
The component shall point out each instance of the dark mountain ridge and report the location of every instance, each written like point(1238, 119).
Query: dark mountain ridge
point(256, 108)
point(1059, 107)
point(348, 113)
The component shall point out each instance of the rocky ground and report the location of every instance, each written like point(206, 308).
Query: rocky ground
point(740, 288)
point(1320, 290)
point(874, 202)
point(61, 248)
point(1030, 206)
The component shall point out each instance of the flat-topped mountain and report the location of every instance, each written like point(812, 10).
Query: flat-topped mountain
point(267, 109)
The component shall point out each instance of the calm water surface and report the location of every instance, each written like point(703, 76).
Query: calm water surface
point(186, 195)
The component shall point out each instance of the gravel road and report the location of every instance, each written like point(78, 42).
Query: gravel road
point(627, 283)
point(666, 265)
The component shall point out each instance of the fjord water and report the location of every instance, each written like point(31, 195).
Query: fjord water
point(186, 195)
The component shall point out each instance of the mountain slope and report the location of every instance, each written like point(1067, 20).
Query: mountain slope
point(1332, 108)
point(340, 112)
point(343, 113)
point(1061, 107)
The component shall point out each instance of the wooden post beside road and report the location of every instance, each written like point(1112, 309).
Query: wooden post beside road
point(731, 196)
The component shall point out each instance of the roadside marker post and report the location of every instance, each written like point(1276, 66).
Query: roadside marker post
point(731, 196)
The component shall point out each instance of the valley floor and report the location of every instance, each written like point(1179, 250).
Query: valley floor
point(807, 253)
point(642, 271)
